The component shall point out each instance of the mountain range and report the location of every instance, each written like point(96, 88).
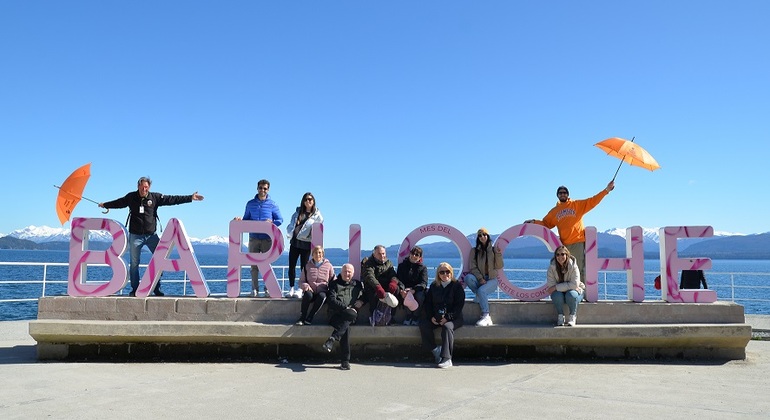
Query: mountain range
point(612, 244)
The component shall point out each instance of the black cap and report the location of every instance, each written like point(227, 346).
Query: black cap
point(562, 188)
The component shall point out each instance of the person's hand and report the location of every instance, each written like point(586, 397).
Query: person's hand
point(529, 221)
point(404, 293)
point(433, 320)
point(237, 218)
point(442, 321)
point(101, 205)
point(358, 304)
point(550, 289)
point(197, 197)
point(610, 186)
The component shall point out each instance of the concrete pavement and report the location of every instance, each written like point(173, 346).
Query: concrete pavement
point(405, 390)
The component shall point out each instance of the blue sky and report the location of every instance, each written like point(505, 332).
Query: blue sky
point(394, 114)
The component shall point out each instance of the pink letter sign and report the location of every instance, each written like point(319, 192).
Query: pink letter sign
point(354, 249)
point(545, 235)
point(236, 258)
point(80, 257)
point(633, 264)
point(437, 229)
point(174, 234)
point(669, 289)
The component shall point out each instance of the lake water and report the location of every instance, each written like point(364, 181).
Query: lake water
point(746, 282)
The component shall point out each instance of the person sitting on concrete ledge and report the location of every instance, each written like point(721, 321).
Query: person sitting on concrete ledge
point(379, 277)
point(563, 284)
point(314, 284)
point(443, 309)
point(345, 300)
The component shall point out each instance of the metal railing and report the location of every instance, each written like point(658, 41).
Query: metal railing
point(751, 289)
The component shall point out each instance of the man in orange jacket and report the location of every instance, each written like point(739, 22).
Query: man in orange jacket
point(567, 217)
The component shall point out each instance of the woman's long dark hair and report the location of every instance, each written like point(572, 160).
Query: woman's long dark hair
point(301, 213)
point(481, 247)
point(561, 269)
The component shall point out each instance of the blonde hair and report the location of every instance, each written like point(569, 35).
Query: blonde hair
point(444, 265)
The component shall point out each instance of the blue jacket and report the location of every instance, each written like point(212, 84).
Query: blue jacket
point(261, 210)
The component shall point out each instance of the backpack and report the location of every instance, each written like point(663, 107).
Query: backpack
point(381, 314)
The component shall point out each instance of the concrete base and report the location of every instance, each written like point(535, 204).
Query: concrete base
point(219, 328)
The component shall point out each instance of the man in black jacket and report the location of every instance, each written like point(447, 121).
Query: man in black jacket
point(345, 300)
point(142, 222)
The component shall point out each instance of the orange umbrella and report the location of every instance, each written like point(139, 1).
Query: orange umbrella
point(71, 192)
point(628, 151)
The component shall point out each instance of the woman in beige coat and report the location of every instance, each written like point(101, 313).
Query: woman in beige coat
point(564, 285)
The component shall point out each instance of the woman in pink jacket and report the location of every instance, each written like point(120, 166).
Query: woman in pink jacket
point(314, 284)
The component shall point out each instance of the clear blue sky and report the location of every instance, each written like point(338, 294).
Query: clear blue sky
point(394, 114)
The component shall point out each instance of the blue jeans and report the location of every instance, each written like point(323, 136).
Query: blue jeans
point(572, 297)
point(483, 291)
point(135, 244)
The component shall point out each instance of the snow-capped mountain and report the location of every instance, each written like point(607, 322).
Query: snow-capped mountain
point(42, 234)
point(653, 234)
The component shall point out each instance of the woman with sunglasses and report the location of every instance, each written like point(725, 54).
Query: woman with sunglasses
point(485, 260)
point(564, 285)
point(443, 308)
point(300, 232)
point(414, 275)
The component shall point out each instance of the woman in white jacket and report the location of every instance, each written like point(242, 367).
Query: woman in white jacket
point(299, 231)
point(564, 285)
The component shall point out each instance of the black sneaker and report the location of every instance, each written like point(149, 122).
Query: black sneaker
point(329, 344)
point(345, 365)
point(308, 321)
point(132, 294)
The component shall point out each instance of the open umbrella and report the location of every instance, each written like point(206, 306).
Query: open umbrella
point(71, 192)
point(628, 151)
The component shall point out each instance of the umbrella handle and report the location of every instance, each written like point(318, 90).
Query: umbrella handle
point(106, 211)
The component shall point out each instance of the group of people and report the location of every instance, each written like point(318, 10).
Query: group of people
point(438, 305)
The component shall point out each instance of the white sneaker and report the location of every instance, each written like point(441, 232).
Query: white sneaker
point(290, 293)
point(298, 293)
point(254, 293)
point(560, 320)
point(445, 364)
point(485, 321)
point(572, 321)
point(437, 353)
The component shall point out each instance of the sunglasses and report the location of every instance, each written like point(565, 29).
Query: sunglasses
point(442, 272)
point(562, 192)
point(310, 199)
point(561, 253)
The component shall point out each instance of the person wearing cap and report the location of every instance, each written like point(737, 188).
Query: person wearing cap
point(485, 260)
point(142, 222)
point(261, 208)
point(443, 308)
point(567, 217)
point(379, 277)
point(345, 300)
point(414, 276)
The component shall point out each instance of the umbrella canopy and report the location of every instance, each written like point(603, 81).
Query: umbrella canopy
point(629, 152)
point(71, 192)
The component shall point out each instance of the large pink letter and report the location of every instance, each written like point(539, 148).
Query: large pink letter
point(551, 242)
point(354, 248)
point(633, 264)
point(669, 289)
point(236, 258)
point(174, 234)
point(80, 258)
point(437, 229)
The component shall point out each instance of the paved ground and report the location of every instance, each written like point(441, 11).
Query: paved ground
point(522, 389)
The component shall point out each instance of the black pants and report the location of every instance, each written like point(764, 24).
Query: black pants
point(317, 299)
point(340, 321)
point(447, 336)
point(296, 253)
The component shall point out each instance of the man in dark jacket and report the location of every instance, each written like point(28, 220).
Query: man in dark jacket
point(379, 277)
point(692, 279)
point(345, 299)
point(142, 222)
